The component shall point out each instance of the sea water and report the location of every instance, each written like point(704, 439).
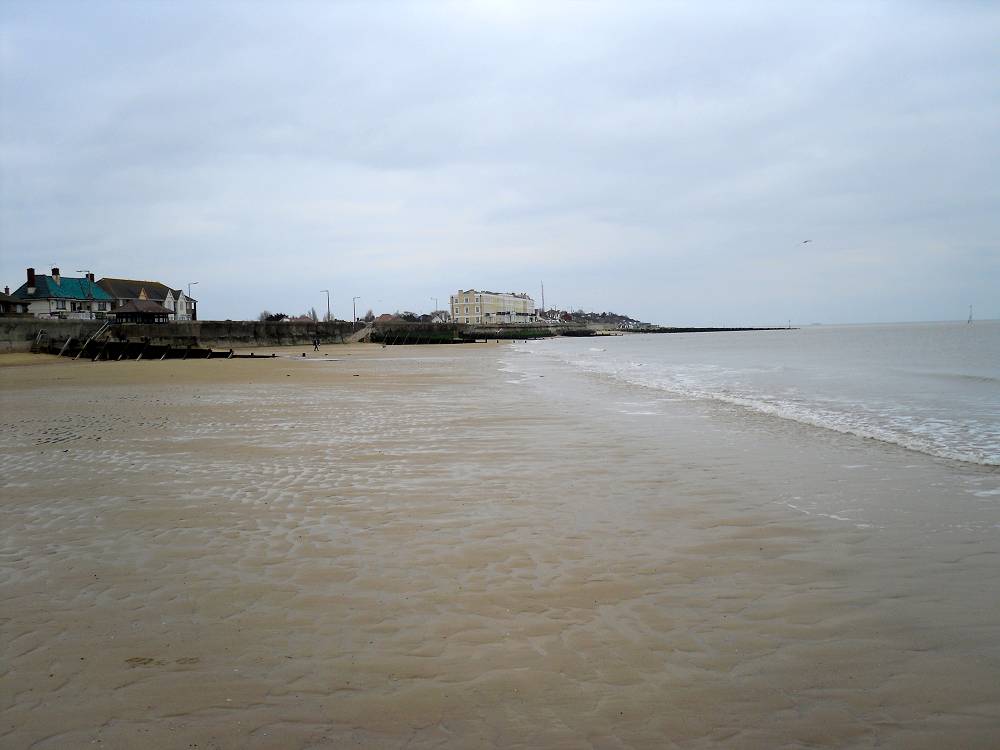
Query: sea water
point(929, 387)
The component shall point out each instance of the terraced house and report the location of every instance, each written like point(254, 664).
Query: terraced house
point(482, 307)
point(58, 296)
point(151, 297)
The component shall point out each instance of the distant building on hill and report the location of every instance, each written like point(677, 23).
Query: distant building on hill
point(123, 291)
point(58, 296)
point(483, 307)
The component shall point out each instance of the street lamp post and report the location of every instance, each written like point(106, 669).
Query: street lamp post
point(328, 316)
point(189, 315)
point(354, 303)
point(90, 289)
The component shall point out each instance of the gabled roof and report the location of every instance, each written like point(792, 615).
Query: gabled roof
point(132, 289)
point(67, 288)
point(141, 306)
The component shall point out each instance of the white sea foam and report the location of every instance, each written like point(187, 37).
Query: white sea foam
point(896, 384)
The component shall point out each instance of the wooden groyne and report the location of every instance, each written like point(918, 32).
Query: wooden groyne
point(102, 347)
point(671, 329)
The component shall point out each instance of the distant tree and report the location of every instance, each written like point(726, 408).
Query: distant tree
point(369, 316)
point(312, 314)
point(269, 317)
point(264, 315)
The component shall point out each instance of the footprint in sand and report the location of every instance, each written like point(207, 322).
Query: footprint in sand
point(145, 661)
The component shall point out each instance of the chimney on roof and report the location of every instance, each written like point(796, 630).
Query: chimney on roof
point(55, 275)
point(6, 290)
point(31, 281)
point(90, 277)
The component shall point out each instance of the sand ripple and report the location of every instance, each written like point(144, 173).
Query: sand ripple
point(395, 560)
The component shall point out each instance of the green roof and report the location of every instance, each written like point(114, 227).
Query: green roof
point(67, 288)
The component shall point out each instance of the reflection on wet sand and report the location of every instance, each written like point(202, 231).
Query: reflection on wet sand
point(276, 555)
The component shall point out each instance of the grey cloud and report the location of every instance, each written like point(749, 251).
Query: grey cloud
point(653, 156)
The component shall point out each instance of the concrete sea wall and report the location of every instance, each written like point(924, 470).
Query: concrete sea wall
point(234, 334)
point(402, 332)
point(18, 333)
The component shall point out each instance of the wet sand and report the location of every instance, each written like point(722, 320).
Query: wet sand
point(402, 547)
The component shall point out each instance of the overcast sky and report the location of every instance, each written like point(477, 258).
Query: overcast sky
point(665, 160)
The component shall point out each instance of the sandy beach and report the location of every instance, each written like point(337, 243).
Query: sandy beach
point(410, 547)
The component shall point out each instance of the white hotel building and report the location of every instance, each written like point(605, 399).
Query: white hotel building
point(473, 306)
